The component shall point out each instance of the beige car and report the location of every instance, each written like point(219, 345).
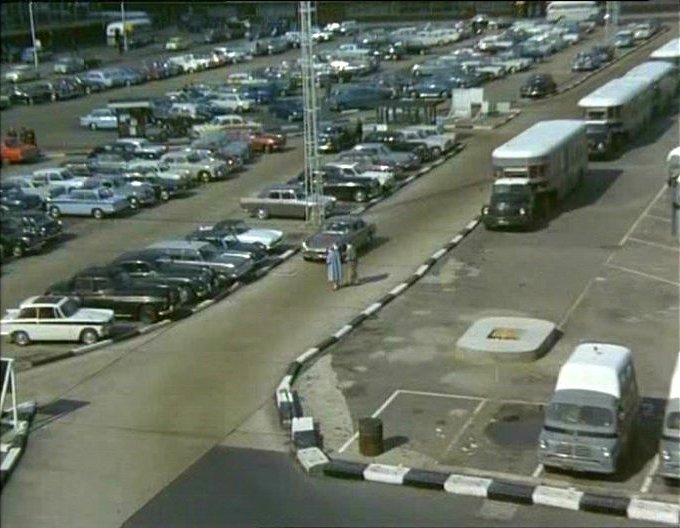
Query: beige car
point(201, 168)
point(22, 73)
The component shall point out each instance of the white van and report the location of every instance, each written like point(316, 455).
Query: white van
point(591, 419)
point(669, 447)
point(139, 32)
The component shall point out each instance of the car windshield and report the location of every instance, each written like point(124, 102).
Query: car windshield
point(336, 227)
point(673, 421)
point(70, 307)
point(572, 414)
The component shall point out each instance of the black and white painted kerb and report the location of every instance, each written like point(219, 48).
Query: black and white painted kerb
point(14, 441)
point(306, 441)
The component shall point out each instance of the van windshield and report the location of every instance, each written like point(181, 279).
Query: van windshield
point(581, 415)
point(673, 422)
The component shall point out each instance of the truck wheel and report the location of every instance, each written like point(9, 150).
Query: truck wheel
point(55, 212)
point(148, 314)
point(360, 196)
point(436, 152)
point(18, 251)
point(93, 126)
point(21, 338)
point(97, 214)
point(89, 336)
point(204, 176)
point(262, 214)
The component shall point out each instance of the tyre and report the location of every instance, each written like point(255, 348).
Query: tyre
point(21, 338)
point(93, 126)
point(148, 313)
point(360, 195)
point(262, 214)
point(89, 336)
point(54, 211)
point(165, 196)
point(436, 152)
point(134, 202)
point(97, 214)
point(18, 251)
point(204, 176)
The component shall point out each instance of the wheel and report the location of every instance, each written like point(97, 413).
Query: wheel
point(30, 101)
point(134, 202)
point(436, 152)
point(55, 212)
point(165, 196)
point(93, 126)
point(262, 214)
point(18, 250)
point(148, 313)
point(98, 214)
point(21, 338)
point(204, 176)
point(128, 83)
point(88, 90)
point(360, 196)
point(89, 336)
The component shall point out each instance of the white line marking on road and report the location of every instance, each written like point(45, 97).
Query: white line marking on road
point(438, 254)
point(642, 215)
point(661, 218)
point(642, 274)
point(464, 427)
point(575, 304)
point(439, 394)
point(343, 331)
point(537, 471)
point(372, 309)
point(649, 478)
point(399, 289)
point(380, 409)
point(203, 305)
point(654, 244)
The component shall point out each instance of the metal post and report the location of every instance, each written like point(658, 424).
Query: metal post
point(122, 20)
point(611, 20)
point(674, 184)
point(35, 49)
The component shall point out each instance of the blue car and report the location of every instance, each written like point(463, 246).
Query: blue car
point(358, 97)
point(288, 109)
point(261, 93)
point(97, 203)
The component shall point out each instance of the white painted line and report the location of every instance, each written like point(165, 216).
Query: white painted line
point(456, 239)
point(422, 270)
point(642, 274)
point(568, 499)
point(575, 304)
point(645, 510)
point(439, 254)
point(654, 244)
point(661, 218)
point(343, 331)
point(154, 326)
point(464, 485)
point(537, 471)
point(399, 289)
point(310, 353)
point(642, 215)
point(10, 458)
point(379, 410)
point(408, 180)
point(649, 478)
point(465, 425)
point(385, 474)
point(438, 394)
point(471, 225)
point(372, 309)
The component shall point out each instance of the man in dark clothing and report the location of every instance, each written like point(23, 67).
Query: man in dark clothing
point(12, 133)
point(30, 137)
point(360, 131)
point(23, 135)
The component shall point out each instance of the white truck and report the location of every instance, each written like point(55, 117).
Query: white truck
point(535, 171)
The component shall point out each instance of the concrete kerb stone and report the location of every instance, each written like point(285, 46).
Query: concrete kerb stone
point(16, 447)
point(597, 503)
point(646, 510)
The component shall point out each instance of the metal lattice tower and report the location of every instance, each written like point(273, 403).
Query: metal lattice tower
point(313, 185)
point(612, 11)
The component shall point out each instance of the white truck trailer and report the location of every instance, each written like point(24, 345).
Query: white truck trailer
point(664, 82)
point(535, 171)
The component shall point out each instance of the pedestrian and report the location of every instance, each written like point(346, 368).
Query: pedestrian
point(334, 266)
point(352, 258)
point(30, 137)
point(23, 135)
point(360, 130)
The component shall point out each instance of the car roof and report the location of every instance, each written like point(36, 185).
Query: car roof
point(44, 300)
point(178, 244)
point(344, 218)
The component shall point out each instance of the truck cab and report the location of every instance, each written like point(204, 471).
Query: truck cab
point(515, 202)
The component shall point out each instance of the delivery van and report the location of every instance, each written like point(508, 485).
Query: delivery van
point(669, 447)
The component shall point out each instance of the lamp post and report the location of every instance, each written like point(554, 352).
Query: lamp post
point(122, 21)
point(33, 39)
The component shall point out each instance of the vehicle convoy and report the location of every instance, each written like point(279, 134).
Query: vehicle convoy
point(615, 113)
point(591, 419)
point(535, 171)
point(100, 287)
point(669, 446)
point(55, 318)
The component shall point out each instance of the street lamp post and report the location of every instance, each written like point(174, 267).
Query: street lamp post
point(35, 47)
point(122, 20)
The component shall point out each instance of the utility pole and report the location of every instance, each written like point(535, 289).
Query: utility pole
point(314, 215)
point(611, 20)
point(122, 21)
point(33, 39)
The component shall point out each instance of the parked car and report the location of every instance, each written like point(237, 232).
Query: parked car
point(269, 239)
point(204, 170)
point(344, 187)
point(31, 93)
point(68, 64)
point(261, 141)
point(100, 119)
point(624, 39)
point(13, 151)
point(108, 162)
point(338, 230)
point(17, 240)
point(284, 201)
point(288, 109)
point(22, 73)
point(337, 136)
point(138, 195)
point(584, 61)
point(35, 223)
point(177, 44)
point(54, 177)
point(56, 318)
point(406, 159)
point(358, 97)
point(142, 147)
point(354, 169)
point(15, 199)
point(97, 203)
point(538, 85)
point(100, 287)
point(229, 244)
point(66, 88)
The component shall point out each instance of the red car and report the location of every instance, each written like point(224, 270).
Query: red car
point(13, 151)
point(267, 141)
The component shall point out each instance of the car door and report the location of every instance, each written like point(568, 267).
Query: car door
point(49, 328)
point(27, 321)
point(83, 287)
point(274, 203)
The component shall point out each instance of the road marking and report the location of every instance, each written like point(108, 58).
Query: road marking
point(655, 244)
point(380, 409)
point(575, 304)
point(537, 471)
point(642, 274)
point(8, 461)
point(467, 423)
point(661, 218)
point(438, 394)
point(649, 478)
point(422, 270)
point(639, 218)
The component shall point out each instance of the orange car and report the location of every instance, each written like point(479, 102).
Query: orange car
point(267, 141)
point(13, 151)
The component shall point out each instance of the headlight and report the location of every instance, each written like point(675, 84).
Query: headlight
point(600, 146)
point(606, 453)
point(666, 455)
point(485, 210)
point(522, 211)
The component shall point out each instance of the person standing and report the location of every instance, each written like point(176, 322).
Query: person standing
point(334, 266)
point(352, 258)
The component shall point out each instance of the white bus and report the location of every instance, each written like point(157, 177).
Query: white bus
point(616, 112)
point(669, 52)
point(139, 32)
point(663, 81)
point(573, 11)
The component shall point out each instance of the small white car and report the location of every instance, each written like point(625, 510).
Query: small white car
point(177, 44)
point(55, 318)
point(231, 102)
point(21, 73)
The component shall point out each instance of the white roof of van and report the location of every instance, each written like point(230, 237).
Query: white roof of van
point(675, 153)
point(614, 93)
point(670, 50)
point(675, 381)
point(650, 70)
point(594, 367)
point(539, 140)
